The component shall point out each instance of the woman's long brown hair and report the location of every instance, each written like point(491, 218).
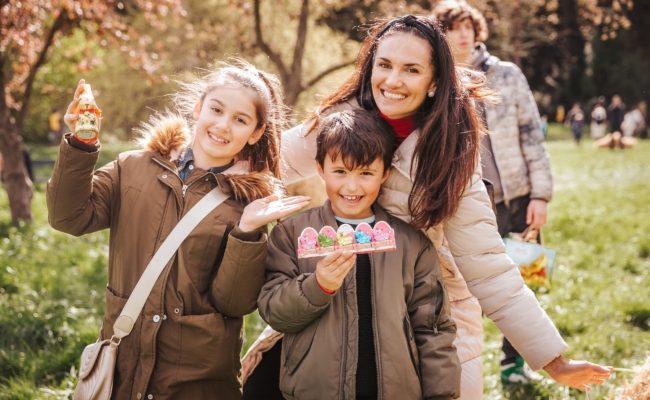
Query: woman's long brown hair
point(446, 154)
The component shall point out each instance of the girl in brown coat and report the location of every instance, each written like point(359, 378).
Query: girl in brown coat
point(187, 340)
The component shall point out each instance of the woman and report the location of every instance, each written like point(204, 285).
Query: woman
point(405, 71)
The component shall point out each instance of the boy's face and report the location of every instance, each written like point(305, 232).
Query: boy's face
point(352, 191)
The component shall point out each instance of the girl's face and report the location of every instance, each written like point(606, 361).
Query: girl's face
point(402, 74)
point(226, 120)
point(461, 37)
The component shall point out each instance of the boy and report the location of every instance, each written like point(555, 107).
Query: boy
point(381, 331)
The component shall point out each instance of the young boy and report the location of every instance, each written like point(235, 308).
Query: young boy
point(362, 326)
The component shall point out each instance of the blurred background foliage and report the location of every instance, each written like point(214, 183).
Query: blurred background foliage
point(133, 52)
point(570, 50)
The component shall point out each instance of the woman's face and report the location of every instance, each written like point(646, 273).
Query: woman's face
point(402, 74)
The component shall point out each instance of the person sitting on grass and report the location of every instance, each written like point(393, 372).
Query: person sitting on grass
point(382, 331)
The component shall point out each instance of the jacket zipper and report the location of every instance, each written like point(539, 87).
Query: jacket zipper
point(375, 332)
point(342, 374)
point(180, 203)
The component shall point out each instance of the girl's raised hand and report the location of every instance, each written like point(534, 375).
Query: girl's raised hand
point(72, 113)
point(262, 211)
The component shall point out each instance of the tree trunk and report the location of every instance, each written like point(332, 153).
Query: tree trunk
point(573, 47)
point(16, 181)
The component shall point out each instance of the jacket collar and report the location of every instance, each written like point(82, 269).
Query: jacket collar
point(328, 217)
point(482, 60)
point(166, 136)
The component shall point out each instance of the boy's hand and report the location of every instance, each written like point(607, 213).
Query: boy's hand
point(333, 268)
point(262, 211)
point(536, 214)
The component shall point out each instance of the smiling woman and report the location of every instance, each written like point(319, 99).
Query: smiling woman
point(402, 75)
point(406, 72)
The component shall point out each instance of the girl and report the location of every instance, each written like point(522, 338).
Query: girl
point(405, 71)
point(187, 340)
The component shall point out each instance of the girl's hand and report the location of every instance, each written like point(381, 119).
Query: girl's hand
point(262, 211)
point(72, 113)
point(333, 268)
point(577, 374)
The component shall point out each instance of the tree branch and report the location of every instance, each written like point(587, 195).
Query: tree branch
point(49, 40)
point(326, 72)
point(301, 39)
point(3, 100)
point(275, 57)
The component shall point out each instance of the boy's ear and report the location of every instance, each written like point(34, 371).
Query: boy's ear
point(256, 135)
point(386, 175)
point(319, 169)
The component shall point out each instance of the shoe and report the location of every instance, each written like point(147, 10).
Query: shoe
point(518, 373)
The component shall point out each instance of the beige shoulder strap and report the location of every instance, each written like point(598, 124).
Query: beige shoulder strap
point(124, 323)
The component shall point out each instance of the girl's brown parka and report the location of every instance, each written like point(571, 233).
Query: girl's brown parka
point(187, 340)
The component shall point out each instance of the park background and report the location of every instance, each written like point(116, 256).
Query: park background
point(134, 52)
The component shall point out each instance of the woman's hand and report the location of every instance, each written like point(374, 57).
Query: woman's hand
point(72, 113)
point(262, 211)
point(333, 268)
point(577, 374)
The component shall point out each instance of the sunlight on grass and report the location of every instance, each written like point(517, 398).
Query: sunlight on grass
point(52, 284)
point(599, 224)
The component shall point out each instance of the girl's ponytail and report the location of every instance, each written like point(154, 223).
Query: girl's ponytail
point(265, 154)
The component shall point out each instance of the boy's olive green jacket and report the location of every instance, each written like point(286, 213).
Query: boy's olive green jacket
point(413, 331)
point(187, 340)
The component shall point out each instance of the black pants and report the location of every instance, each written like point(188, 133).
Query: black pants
point(511, 218)
point(264, 382)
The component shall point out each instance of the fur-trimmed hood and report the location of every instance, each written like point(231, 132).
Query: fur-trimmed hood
point(167, 135)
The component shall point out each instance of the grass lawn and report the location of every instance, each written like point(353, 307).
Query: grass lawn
point(599, 223)
point(51, 284)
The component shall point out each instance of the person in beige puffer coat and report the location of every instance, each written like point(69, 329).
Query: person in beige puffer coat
point(186, 342)
point(513, 157)
point(435, 183)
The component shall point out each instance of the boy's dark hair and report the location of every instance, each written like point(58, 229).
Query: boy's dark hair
point(358, 136)
point(450, 11)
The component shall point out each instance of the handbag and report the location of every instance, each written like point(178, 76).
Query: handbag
point(535, 261)
point(97, 364)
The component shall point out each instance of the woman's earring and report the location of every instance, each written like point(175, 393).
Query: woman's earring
point(430, 93)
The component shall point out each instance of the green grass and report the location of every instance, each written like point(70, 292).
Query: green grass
point(51, 284)
point(47, 152)
point(599, 224)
